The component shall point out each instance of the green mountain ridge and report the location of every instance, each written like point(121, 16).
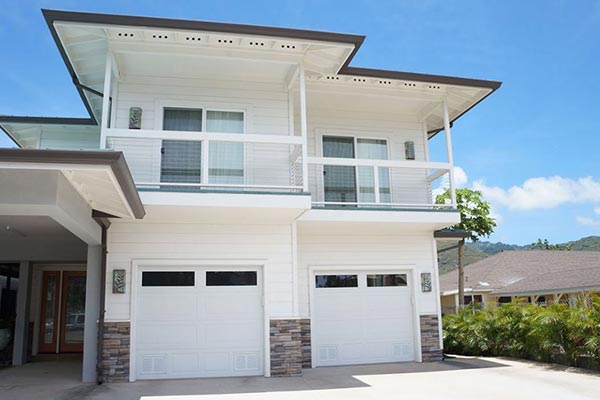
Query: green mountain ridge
point(473, 252)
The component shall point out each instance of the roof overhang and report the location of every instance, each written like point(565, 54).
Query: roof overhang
point(451, 234)
point(83, 40)
point(101, 178)
point(27, 131)
point(542, 291)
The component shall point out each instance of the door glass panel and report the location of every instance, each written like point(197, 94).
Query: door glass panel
point(74, 309)
point(339, 180)
point(181, 159)
point(231, 278)
point(373, 149)
point(336, 281)
point(168, 278)
point(49, 316)
point(380, 280)
point(226, 159)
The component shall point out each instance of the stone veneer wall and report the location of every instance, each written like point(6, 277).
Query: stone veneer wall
point(114, 364)
point(430, 338)
point(286, 347)
point(306, 343)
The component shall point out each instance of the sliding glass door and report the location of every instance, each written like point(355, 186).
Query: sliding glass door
point(349, 184)
point(339, 180)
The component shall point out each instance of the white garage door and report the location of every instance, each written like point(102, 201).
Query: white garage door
point(362, 317)
point(199, 322)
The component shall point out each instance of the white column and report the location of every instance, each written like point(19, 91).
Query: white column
point(22, 321)
point(303, 128)
point(92, 313)
point(106, 98)
point(449, 151)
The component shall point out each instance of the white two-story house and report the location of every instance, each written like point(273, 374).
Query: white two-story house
point(240, 201)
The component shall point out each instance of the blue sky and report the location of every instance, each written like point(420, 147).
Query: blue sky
point(532, 147)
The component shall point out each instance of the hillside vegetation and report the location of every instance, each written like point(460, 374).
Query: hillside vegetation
point(474, 252)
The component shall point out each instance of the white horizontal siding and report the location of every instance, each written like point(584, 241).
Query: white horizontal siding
point(354, 249)
point(266, 112)
point(168, 241)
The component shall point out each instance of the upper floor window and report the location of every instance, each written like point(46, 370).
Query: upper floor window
point(182, 159)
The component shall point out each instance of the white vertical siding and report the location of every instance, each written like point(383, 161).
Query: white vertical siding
point(191, 241)
point(356, 249)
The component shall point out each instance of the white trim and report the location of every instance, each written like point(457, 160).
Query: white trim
point(138, 265)
point(199, 136)
point(294, 228)
point(447, 130)
point(436, 290)
point(303, 127)
point(379, 163)
point(409, 269)
point(106, 97)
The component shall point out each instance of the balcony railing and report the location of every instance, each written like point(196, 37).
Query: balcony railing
point(204, 161)
point(351, 183)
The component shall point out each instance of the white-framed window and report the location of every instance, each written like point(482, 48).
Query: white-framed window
point(181, 160)
point(355, 184)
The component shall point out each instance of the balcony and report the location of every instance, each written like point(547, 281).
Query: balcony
point(227, 163)
point(349, 183)
point(179, 161)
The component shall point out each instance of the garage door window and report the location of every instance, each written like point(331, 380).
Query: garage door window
point(231, 278)
point(170, 278)
point(381, 280)
point(336, 281)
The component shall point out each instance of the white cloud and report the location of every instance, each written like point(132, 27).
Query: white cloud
point(542, 193)
point(460, 177)
point(587, 221)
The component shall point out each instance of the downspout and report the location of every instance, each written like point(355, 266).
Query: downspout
point(104, 223)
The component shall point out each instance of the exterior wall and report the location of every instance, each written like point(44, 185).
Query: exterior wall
point(266, 112)
point(195, 241)
point(305, 338)
point(353, 247)
point(448, 304)
point(114, 361)
point(286, 347)
point(430, 338)
point(407, 186)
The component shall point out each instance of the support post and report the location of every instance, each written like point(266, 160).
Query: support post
point(21, 339)
point(92, 313)
point(303, 128)
point(461, 276)
point(448, 133)
point(104, 123)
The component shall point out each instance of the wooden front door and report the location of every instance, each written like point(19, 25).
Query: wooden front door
point(62, 312)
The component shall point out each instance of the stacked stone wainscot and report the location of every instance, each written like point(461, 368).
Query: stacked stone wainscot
point(306, 343)
point(114, 364)
point(430, 338)
point(286, 347)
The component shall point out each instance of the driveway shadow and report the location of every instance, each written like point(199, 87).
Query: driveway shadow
point(324, 378)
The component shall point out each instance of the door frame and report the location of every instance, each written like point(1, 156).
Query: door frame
point(139, 265)
point(409, 269)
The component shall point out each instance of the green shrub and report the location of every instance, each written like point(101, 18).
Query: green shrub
point(553, 333)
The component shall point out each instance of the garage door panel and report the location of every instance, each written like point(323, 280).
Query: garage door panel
point(370, 323)
point(191, 330)
point(161, 307)
point(161, 336)
point(242, 335)
point(219, 306)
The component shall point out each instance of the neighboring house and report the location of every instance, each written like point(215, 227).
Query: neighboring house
point(534, 276)
point(263, 205)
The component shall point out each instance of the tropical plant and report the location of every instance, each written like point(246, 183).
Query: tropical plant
point(554, 333)
point(475, 219)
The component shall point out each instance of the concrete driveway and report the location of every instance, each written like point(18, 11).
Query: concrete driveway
point(459, 378)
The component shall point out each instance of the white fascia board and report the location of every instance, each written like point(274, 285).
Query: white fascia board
point(244, 200)
point(437, 219)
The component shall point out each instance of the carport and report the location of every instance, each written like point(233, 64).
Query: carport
point(54, 210)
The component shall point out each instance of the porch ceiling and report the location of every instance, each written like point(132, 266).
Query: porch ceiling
point(101, 178)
